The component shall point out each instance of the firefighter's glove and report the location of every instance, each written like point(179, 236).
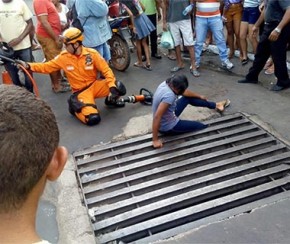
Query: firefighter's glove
point(114, 92)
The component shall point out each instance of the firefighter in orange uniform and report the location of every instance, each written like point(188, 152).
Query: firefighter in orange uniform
point(82, 65)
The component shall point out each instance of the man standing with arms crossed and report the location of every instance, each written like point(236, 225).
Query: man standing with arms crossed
point(15, 26)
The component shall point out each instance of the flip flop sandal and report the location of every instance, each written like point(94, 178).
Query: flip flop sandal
point(226, 104)
point(245, 61)
point(176, 68)
point(194, 72)
point(148, 67)
point(139, 65)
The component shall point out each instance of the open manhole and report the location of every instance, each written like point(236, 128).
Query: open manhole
point(137, 194)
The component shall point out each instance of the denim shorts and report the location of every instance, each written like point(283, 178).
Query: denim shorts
point(251, 15)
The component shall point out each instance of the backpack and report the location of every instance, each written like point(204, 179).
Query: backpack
point(75, 21)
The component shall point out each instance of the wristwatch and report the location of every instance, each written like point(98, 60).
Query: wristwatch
point(277, 30)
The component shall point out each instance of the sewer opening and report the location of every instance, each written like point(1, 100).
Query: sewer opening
point(138, 194)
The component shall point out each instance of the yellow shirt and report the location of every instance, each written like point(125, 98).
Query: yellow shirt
point(13, 17)
point(80, 70)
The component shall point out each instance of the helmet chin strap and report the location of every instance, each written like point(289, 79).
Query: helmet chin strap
point(75, 49)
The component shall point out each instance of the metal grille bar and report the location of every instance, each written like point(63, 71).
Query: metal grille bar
point(138, 194)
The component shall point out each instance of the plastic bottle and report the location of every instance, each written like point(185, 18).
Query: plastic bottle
point(188, 9)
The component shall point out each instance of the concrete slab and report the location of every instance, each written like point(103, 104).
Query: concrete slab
point(268, 224)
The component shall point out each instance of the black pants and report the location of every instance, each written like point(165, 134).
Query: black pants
point(153, 35)
point(276, 49)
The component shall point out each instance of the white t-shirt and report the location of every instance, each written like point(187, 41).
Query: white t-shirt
point(62, 14)
point(13, 17)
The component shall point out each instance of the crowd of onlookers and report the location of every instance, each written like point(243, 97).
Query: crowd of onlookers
point(230, 24)
point(239, 18)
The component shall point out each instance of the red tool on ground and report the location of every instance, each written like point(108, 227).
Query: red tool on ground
point(144, 97)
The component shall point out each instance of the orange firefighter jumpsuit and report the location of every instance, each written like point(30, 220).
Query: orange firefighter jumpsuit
point(81, 72)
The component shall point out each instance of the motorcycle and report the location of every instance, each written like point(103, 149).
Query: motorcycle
point(119, 47)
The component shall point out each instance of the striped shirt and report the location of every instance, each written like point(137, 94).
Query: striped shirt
point(208, 8)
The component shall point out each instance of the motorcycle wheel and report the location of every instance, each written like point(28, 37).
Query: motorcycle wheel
point(120, 53)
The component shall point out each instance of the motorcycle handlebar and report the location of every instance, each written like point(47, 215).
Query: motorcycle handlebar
point(7, 59)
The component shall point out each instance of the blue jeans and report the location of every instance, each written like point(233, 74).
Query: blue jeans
point(25, 55)
point(104, 50)
point(215, 24)
point(184, 126)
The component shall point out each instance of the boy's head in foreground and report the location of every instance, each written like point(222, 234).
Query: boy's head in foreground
point(29, 155)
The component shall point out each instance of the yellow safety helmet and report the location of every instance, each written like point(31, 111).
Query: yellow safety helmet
point(72, 35)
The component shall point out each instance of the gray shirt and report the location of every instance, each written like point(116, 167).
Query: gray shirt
point(164, 94)
point(175, 9)
point(275, 10)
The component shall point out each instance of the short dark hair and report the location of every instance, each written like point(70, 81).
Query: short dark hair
point(178, 82)
point(29, 136)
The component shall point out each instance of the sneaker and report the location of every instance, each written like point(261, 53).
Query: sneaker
point(205, 47)
point(227, 64)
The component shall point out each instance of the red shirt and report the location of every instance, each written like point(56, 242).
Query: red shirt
point(46, 7)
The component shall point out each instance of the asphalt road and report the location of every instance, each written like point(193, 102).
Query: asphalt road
point(272, 108)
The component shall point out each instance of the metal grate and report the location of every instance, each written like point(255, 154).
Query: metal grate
point(138, 194)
